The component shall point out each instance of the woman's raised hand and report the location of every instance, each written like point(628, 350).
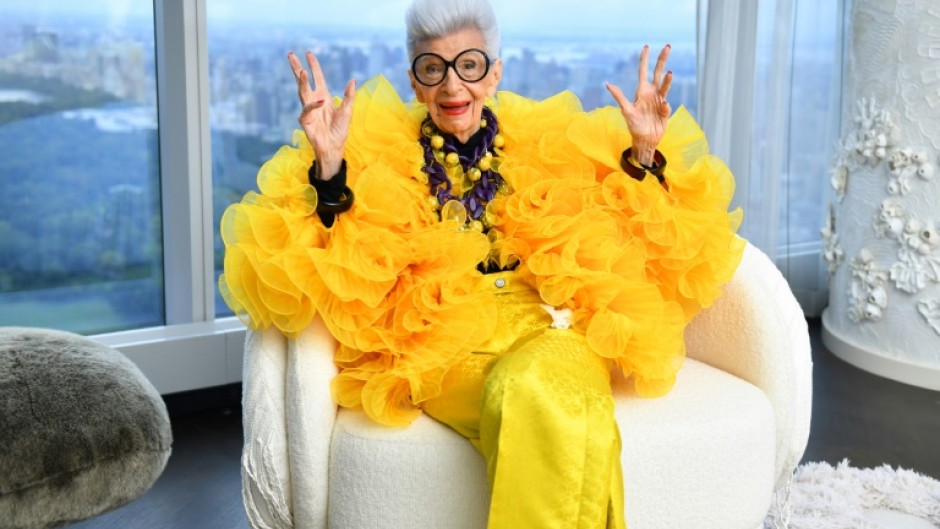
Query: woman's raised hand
point(649, 112)
point(326, 126)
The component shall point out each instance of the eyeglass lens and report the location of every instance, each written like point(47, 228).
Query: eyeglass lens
point(470, 65)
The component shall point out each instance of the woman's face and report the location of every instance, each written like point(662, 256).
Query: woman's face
point(455, 105)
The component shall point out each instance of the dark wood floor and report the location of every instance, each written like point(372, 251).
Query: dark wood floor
point(856, 415)
point(201, 485)
point(868, 419)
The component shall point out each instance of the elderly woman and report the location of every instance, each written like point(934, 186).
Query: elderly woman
point(488, 259)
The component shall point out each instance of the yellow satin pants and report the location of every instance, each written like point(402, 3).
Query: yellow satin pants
point(537, 403)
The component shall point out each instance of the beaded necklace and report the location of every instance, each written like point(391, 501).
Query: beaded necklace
point(460, 187)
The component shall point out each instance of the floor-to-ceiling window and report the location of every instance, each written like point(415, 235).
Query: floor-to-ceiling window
point(80, 221)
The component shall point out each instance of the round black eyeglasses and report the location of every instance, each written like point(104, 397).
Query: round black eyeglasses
point(470, 65)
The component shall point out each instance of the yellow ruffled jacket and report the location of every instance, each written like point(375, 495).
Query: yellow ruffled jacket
point(398, 288)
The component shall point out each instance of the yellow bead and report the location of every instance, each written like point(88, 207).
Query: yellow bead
point(427, 130)
point(474, 174)
point(439, 156)
point(483, 123)
point(503, 188)
point(459, 180)
point(437, 141)
point(452, 159)
point(490, 215)
point(476, 226)
point(484, 164)
point(454, 210)
point(432, 202)
point(499, 141)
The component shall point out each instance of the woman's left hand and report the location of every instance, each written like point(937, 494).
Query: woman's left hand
point(649, 112)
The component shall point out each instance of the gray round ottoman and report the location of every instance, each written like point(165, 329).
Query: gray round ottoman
point(81, 430)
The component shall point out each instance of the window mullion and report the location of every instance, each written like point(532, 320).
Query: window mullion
point(184, 159)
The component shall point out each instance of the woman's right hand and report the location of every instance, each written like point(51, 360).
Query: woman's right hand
point(326, 126)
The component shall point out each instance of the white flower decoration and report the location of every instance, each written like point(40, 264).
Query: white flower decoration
point(868, 295)
point(900, 159)
point(832, 252)
point(839, 179)
point(914, 270)
point(930, 310)
point(839, 173)
point(889, 222)
point(875, 133)
point(903, 166)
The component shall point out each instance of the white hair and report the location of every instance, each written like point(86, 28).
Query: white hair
point(433, 19)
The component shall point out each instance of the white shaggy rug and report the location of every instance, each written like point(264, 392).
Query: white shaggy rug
point(845, 497)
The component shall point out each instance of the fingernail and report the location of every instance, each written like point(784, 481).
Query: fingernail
point(646, 46)
point(669, 45)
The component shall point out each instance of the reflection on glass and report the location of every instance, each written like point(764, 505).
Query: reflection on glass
point(547, 47)
point(80, 238)
point(815, 71)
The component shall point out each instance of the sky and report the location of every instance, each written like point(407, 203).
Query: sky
point(613, 17)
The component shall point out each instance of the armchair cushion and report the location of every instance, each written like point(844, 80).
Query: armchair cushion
point(708, 447)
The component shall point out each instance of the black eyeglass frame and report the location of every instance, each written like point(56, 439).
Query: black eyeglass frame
point(452, 65)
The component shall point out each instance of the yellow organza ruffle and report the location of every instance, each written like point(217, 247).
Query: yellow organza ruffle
point(399, 289)
point(634, 260)
point(395, 287)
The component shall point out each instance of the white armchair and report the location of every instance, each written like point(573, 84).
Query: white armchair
point(707, 455)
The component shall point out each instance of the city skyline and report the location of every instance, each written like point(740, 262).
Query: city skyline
point(252, 88)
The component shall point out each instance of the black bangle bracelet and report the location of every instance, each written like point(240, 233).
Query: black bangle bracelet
point(344, 202)
point(638, 171)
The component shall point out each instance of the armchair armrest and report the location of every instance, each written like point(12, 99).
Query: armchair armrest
point(757, 332)
point(288, 417)
point(311, 414)
point(265, 471)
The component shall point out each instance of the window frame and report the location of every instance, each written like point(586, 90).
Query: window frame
point(185, 158)
point(193, 349)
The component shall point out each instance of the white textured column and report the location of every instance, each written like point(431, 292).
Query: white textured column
point(881, 241)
